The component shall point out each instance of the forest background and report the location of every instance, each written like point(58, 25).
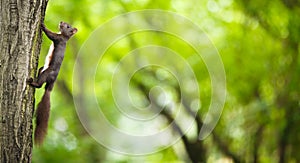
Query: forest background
point(258, 43)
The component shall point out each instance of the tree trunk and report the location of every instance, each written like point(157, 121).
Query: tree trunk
point(20, 41)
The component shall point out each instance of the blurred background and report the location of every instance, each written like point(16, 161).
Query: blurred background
point(258, 42)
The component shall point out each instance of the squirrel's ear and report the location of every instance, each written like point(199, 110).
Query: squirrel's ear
point(74, 30)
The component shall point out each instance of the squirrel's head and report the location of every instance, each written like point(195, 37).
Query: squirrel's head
point(67, 29)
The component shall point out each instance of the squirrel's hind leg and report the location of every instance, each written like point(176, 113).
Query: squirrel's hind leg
point(41, 79)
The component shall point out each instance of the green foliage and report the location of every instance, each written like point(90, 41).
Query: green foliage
point(259, 45)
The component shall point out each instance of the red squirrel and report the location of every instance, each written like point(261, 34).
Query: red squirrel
point(48, 74)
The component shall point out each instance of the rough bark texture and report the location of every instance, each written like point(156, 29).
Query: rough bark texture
point(20, 40)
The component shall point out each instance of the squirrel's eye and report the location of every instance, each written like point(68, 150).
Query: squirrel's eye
point(68, 26)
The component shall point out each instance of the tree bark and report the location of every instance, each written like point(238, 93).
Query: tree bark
point(20, 41)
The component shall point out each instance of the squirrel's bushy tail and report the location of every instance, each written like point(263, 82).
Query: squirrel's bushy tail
point(42, 116)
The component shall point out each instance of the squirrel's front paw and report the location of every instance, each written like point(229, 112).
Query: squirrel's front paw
point(43, 26)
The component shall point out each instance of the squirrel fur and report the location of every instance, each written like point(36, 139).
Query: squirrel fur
point(48, 74)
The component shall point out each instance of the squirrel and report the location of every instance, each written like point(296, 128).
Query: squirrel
point(48, 74)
